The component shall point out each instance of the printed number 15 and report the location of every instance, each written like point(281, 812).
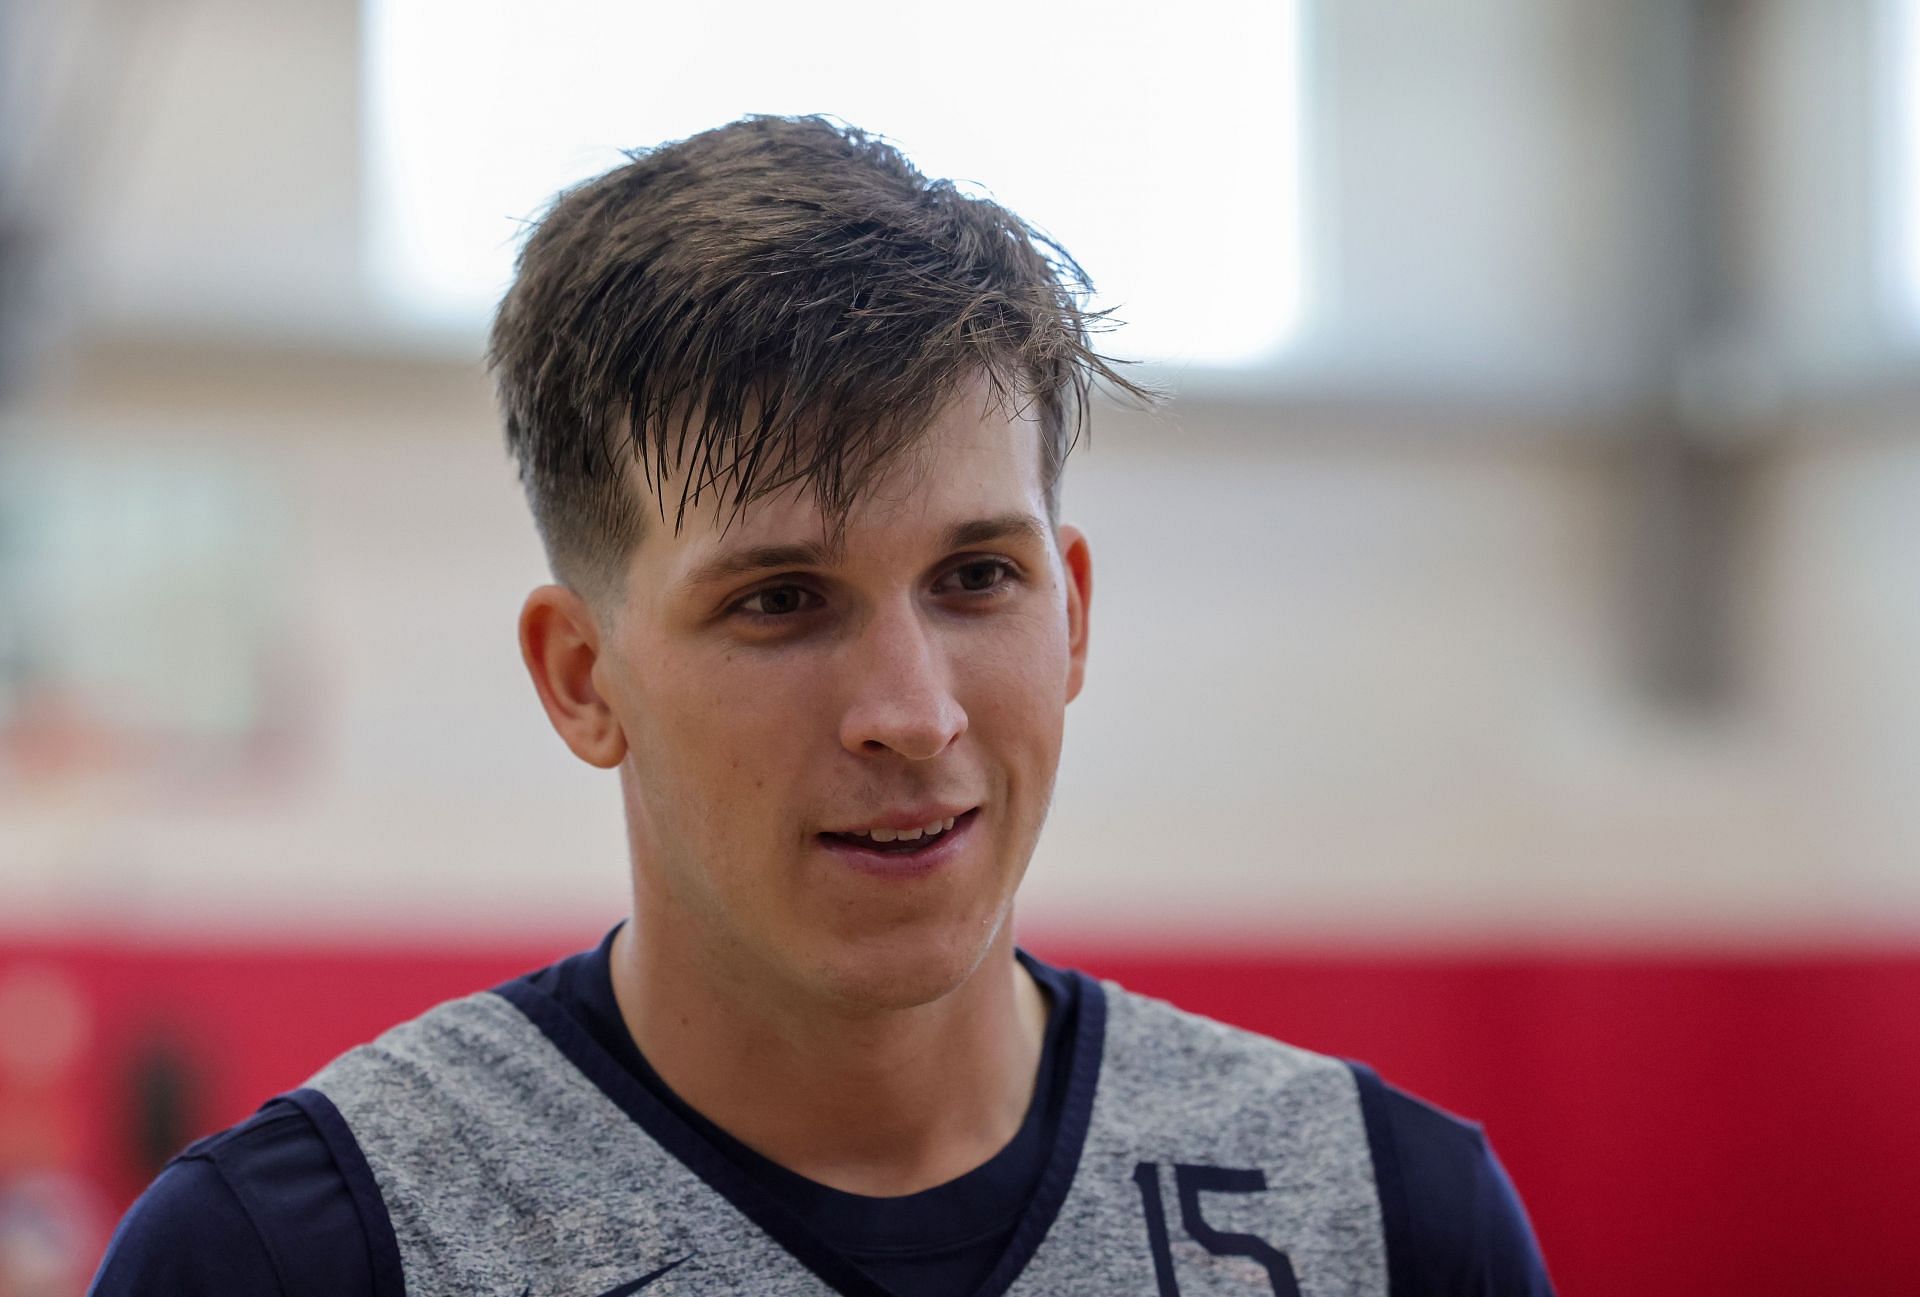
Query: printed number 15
point(1189, 1183)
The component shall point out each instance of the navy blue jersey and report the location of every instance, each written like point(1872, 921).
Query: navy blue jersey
point(285, 1203)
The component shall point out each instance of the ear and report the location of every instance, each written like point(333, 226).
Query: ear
point(1076, 561)
point(560, 643)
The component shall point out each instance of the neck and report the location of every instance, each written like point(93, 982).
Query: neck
point(881, 1102)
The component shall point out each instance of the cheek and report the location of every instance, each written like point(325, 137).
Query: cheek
point(741, 728)
point(1015, 688)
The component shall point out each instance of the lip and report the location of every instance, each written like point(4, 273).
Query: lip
point(893, 864)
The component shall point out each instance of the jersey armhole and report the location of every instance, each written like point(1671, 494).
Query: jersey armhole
point(383, 1247)
point(1389, 1181)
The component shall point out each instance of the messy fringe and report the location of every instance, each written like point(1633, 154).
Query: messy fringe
point(779, 301)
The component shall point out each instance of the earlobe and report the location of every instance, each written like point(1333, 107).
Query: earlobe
point(1076, 562)
point(560, 644)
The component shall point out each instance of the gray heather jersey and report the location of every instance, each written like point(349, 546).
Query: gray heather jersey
point(1209, 1161)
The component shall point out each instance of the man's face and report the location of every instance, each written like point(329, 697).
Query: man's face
point(776, 698)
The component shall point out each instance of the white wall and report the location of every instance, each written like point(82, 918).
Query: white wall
point(1343, 680)
point(1353, 671)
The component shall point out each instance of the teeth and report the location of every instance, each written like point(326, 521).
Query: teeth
point(906, 835)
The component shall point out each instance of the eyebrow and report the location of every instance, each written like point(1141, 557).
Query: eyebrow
point(762, 558)
point(1003, 526)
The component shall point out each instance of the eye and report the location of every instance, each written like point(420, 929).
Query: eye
point(982, 575)
point(776, 602)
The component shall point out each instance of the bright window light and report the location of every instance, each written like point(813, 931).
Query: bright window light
point(1160, 144)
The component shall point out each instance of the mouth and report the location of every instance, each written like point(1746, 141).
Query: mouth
point(895, 852)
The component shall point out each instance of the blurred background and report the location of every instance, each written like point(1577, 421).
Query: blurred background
point(1504, 664)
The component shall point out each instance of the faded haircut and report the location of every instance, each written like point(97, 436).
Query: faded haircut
point(778, 301)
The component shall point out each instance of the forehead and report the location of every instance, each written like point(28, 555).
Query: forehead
point(978, 460)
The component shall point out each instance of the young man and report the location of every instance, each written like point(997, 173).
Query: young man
point(792, 419)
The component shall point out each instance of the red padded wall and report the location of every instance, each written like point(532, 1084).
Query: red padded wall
point(1678, 1125)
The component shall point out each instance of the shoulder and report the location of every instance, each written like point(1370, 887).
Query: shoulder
point(1225, 1097)
point(1152, 1046)
point(1454, 1223)
point(452, 1076)
point(474, 1031)
point(260, 1208)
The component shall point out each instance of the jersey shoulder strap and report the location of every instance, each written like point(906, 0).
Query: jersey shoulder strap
point(1216, 1161)
point(505, 1170)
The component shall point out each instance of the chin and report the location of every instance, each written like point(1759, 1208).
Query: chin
point(905, 969)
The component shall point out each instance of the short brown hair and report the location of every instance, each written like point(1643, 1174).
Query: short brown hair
point(776, 301)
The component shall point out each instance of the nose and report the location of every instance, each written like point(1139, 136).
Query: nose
point(900, 693)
